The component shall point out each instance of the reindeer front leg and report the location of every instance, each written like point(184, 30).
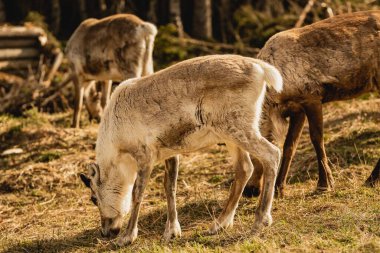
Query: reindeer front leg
point(78, 100)
point(137, 195)
point(315, 117)
point(172, 228)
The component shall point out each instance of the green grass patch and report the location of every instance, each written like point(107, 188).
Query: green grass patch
point(47, 157)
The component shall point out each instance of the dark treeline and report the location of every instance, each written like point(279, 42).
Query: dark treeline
point(249, 22)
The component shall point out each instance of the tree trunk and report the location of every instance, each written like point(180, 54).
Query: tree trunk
point(202, 22)
point(82, 9)
point(273, 8)
point(102, 8)
point(151, 15)
point(3, 17)
point(175, 15)
point(55, 16)
point(116, 6)
point(119, 6)
point(224, 12)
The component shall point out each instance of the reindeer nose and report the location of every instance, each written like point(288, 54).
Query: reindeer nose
point(114, 232)
point(103, 234)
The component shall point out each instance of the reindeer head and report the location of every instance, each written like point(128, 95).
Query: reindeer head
point(111, 193)
point(93, 103)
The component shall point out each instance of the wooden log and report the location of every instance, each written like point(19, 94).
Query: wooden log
point(18, 64)
point(17, 53)
point(20, 31)
point(18, 42)
point(23, 32)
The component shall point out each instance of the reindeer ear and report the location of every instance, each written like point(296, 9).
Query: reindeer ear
point(85, 180)
point(93, 169)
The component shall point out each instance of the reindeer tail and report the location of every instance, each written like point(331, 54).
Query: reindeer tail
point(272, 76)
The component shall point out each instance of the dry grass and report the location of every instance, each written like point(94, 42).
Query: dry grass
point(44, 207)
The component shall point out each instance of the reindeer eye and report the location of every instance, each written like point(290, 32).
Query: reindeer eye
point(94, 200)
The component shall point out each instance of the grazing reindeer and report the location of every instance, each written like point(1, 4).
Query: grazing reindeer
point(186, 107)
point(333, 59)
point(114, 48)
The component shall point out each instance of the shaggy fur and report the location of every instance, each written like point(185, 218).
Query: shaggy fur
point(114, 48)
point(189, 106)
point(334, 59)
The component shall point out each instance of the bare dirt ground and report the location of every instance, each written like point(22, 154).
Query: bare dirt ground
point(45, 208)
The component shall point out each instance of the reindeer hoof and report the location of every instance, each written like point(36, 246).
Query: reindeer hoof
point(172, 230)
point(260, 222)
point(217, 225)
point(251, 191)
point(371, 183)
point(124, 241)
point(127, 239)
point(214, 228)
point(280, 192)
point(323, 187)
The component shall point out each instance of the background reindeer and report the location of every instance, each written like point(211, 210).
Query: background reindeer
point(334, 59)
point(189, 106)
point(114, 48)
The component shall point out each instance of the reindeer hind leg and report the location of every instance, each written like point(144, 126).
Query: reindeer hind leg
point(243, 168)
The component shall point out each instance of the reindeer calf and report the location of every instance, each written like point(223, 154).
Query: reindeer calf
point(113, 48)
point(186, 107)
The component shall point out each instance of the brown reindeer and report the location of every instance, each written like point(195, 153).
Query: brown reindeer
point(114, 48)
point(333, 59)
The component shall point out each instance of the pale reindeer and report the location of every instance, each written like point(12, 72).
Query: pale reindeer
point(186, 107)
point(333, 59)
point(114, 48)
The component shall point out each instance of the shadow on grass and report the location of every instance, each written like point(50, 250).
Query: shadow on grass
point(189, 215)
point(195, 217)
point(85, 239)
point(346, 150)
point(351, 149)
point(369, 116)
point(35, 146)
point(151, 226)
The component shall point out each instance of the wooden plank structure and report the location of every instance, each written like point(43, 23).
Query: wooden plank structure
point(20, 46)
point(26, 58)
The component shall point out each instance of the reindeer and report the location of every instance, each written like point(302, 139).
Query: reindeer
point(333, 59)
point(186, 107)
point(113, 48)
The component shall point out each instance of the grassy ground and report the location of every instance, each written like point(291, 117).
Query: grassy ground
point(45, 208)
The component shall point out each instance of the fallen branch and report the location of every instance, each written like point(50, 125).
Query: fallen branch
point(57, 62)
point(57, 93)
point(15, 84)
point(305, 11)
point(220, 45)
